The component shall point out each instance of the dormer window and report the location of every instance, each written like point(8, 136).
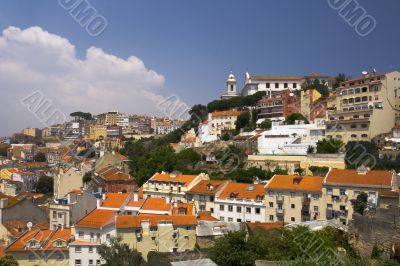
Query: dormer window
point(258, 197)
point(59, 243)
point(210, 187)
point(233, 195)
point(182, 211)
point(33, 244)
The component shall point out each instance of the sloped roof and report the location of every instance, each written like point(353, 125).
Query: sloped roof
point(98, 218)
point(207, 187)
point(185, 179)
point(352, 177)
point(242, 191)
point(129, 221)
point(292, 182)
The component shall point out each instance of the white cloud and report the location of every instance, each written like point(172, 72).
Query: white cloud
point(33, 59)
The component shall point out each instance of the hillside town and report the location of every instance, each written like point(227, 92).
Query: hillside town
point(274, 154)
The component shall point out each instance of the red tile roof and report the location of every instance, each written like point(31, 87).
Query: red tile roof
point(98, 218)
point(156, 204)
point(292, 182)
point(110, 173)
point(207, 216)
point(225, 113)
point(115, 200)
point(375, 178)
point(242, 191)
point(209, 187)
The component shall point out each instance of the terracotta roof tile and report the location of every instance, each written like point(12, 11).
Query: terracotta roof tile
point(110, 173)
point(156, 204)
point(225, 113)
point(377, 178)
point(292, 182)
point(242, 191)
point(209, 187)
point(115, 200)
point(207, 216)
point(98, 218)
point(120, 156)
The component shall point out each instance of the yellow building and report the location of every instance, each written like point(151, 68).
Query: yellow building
point(364, 107)
point(145, 233)
point(33, 132)
point(203, 194)
point(39, 247)
point(223, 120)
point(97, 131)
point(307, 98)
point(7, 173)
point(341, 188)
point(292, 199)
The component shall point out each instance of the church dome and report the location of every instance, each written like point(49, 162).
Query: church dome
point(231, 77)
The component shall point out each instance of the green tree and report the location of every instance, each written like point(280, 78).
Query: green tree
point(45, 185)
point(319, 170)
point(291, 119)
point(117, 253)
point(320, 86)
point(225, 137)
point(3, 149)
point(39, 157)
point(82, 115)
point(8, 260)
point(339, 79)
point(155, 259)
point(187, 158)
point(329, 145)
point(266, 124)
point(242, 120)
point(87, 177)
point(361, 153)
point(361, 203)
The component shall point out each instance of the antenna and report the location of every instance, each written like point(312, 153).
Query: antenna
point(373, 70)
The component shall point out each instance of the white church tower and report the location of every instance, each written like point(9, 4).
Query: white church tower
point(230, 87)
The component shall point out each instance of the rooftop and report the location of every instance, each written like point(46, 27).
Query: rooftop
point(129, 221)
point(185, 179)
point(242, 191)
point(375, 178)
point(225, 113)
point(98, 218)
point(207, 187)
point(292, 182)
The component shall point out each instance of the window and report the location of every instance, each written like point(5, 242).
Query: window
point(78, 262)
point(354, 136)
point(270, 193)
point(59, 243)
point(292, 219)
point(54, 214)
point(230, 219)
point(59, 257)
point(78, 249)
point(60, 215)
point(248, 210)
point(276, 85)
point(358, 90)
point(292, 194)
point(271, 217)
point(315, 208)
point(90, 249)
point(292, 206)
point(271, 204)
point(221, 218)
point(285, 85)
point(80, 234)
point(230, 208)
point(238, 220)
point(364, 135)
point(353, 126)
point(364, 125)
point(238, 209)
point(329, 191)
point(31, 257)
point(342, 192)
point(189, 197)
point(316, 196)
point(97, 262)
point(267, 85)
point(212, 198)
point(90, 262)
point(364, 89)
point(221, 207)
point(108, 236)
point(294, 85)
point(258, 210)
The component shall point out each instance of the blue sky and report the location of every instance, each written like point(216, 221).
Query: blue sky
point(193, 44)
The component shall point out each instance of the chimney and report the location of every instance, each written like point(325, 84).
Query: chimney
point(135, 196)
point(104, 196)
point(168, 199)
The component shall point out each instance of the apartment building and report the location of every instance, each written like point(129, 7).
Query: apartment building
point(33, 132)
point(89, 233)
point(290, 139)
point(240, 202)
point(171, 186)
point(222, 120)
point(67, 180)
point(145, 233)
point(342, 186)
point(292, 199)
point(203, 194)
point(359, 106)
point(279, 105)
point(165, 127)
point(66, 211)
point(312, 106)
point(97, 132)
point(112, 179)
point(41, 247)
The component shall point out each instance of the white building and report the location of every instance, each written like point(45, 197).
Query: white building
point(240, 202)
point(290, 139)
point(230, 87)
point(269, 84)
point(90, 232)
point(204, 133)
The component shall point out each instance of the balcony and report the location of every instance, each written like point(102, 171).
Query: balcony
point(279, 198)
point(280, 211)
point(330, 214)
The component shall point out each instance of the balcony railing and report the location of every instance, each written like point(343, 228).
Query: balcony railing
point(279, 198)
point(280, 211)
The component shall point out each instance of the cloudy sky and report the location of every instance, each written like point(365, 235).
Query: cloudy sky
point(152, 49)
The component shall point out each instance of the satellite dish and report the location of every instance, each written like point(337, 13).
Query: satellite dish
point(364, 72)
point(29, 224)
